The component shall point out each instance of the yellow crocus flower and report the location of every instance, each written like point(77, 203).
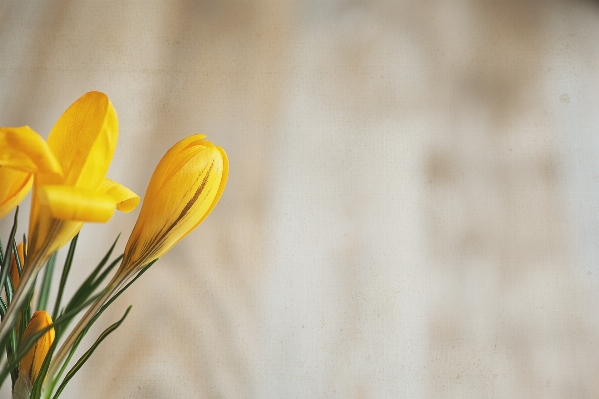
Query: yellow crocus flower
point(14, 186)
point(70, 185)
point(184, 188)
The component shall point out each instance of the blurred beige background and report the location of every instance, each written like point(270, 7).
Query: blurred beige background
point(412, 209)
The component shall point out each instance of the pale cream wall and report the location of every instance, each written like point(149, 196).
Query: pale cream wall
point(412, 200)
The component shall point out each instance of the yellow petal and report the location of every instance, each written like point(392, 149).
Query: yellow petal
point(221, 187)
point(14, 186)
point(74, 203)
point(84, 139)
point(183, 190)
point(126, 200)
point(24, 149)
point(32, 362)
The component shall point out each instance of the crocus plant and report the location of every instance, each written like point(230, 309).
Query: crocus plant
point(68, 176)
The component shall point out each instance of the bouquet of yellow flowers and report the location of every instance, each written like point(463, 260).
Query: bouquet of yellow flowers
point(68, 176)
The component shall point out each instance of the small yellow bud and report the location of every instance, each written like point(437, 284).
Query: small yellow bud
point(32, 362)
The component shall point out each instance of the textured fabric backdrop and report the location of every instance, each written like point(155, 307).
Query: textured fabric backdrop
point(412, 209)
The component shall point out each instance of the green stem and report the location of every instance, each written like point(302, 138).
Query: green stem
point(65, 349)
point(20, 296)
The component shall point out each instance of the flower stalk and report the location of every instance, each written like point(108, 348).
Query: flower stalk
point(183, 190)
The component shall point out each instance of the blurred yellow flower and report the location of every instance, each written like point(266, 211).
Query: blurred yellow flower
point(32, 362)
point(69, 186)
point(14, 186)
point(183, 190)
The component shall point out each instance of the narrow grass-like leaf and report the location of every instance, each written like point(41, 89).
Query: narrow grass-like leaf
point(65, 273)
point(11, 344)
point(6, 259)
point(42, 301)
point(9, 340)
point(88, 290)
point(115, 296)
point(25, 312)
point(6, 329)
point(93, 275)
point(30, 341)
point(91, 322)
point(15, 334)
point(93, 281)
point(10, 354)
point(36, 390)
point(89, 352)
point(24, 247)
point(9, 289)
point(17, 258)
point(10, 348)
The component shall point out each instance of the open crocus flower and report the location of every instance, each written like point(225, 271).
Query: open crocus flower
point(31, 364)
point(70, 185)
point(185, 187)
point(14, 186)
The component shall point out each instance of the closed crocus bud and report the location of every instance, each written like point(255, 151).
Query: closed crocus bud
point(184, 188)
point(32, 362)
point(14, 186)
point(14, 270)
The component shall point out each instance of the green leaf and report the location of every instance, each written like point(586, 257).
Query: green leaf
point(30, 341)
point(92, 321)
point(6, 258)
point(24, 247)
point(11, 345)
point(25, 313)
point(7, 330)
point(93, 281)
point(10, 349)
point(88, 354)
point(36, 390)
point(15, 253)
point(42, 301)
point(65, 273)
